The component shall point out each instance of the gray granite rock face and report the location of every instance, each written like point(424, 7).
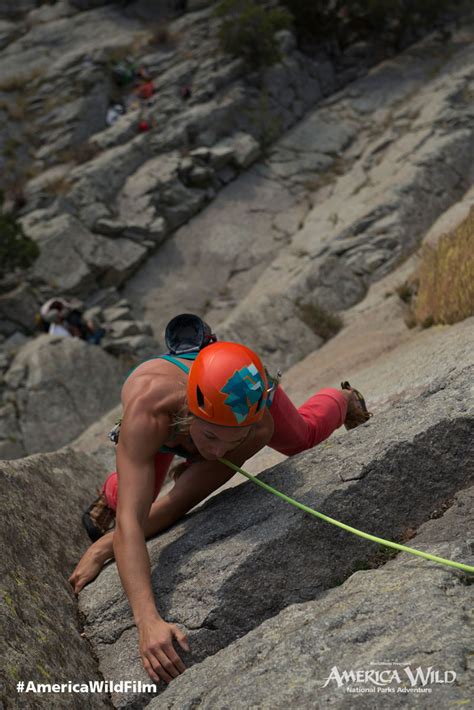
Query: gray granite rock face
point(221, 577)
point(346, 183)
point(377, 205)
point(405, 621)
point(208, 263)
point(82, 169)
point(339, 200)
point(42, 497)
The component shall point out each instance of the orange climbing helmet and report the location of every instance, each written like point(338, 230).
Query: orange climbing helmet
point(227, 385)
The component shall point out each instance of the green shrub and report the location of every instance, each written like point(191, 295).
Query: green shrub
point(446, 278)
point(319, 320)
point(248, 31)
point(16, 249)
point(352, 20)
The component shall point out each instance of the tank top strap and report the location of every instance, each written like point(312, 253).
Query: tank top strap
point(169, 358)
point(182, 366)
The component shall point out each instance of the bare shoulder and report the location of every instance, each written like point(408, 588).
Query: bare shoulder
point(156, 380)
point(149, 401)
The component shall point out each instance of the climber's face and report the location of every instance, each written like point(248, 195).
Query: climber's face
point(214, 441)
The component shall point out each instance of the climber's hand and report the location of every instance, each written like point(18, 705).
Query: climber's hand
point(157, 652)
point(87, 568)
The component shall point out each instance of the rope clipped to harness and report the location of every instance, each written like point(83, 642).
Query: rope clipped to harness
point(348, 528)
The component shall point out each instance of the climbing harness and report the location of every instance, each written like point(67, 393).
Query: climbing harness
point(348, 528)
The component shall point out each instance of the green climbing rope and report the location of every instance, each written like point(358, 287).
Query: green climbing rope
point(348, 528)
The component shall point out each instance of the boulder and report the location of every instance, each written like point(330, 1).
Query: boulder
point(221, 155)
point(17, 310)
point(59, 386)
point(200, 177)
point(246, 149)
point(73, 260)
point(109, 227)
point(42, 539)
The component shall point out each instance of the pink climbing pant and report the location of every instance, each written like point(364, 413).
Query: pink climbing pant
point(299, 429)
point(296, 430)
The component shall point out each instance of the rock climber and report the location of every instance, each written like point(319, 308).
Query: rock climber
point(203, 404)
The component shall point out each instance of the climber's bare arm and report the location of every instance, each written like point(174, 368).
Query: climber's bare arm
point(144, 429)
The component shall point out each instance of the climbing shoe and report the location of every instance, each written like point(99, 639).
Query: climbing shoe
point(357, 412)
point(98, 518)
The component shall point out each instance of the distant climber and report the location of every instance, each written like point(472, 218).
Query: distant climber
point(143, 126)
point(124, 72)
point(145, 90)
point(202, 401)
point(61, 317)
point(114, 112)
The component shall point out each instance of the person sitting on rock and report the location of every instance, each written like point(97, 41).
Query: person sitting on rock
point(54, 313)
point(217, 402)
point(65, 319)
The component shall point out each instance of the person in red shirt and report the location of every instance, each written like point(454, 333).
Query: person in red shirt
point(145, 91)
